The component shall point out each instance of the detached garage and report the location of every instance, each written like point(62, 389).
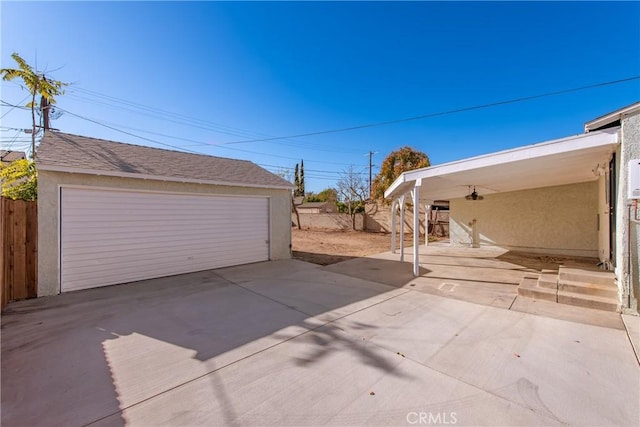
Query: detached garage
point(111, 213)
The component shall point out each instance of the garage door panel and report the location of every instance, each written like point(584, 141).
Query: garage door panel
point(144, 251)
point(143, 240)
point(112, 236)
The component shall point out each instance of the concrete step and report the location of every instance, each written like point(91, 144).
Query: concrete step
point(548, 281)
point(529, 288)
point(566, 274)
point(589, 301)
point(608, 291)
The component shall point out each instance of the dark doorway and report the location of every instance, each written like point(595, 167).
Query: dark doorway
point(613, 175)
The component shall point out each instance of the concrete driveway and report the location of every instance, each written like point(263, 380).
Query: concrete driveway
point(290, 343)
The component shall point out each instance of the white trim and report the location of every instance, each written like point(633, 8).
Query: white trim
point(59, 227)
point(549, 148)
point(144, 190)
point(609, 118)
point(120, 174)
point(416, 228)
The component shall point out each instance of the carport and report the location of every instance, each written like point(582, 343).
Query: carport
point(567, 161)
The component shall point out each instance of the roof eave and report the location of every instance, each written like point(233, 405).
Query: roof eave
point(608, 136)
point(609, 118)
point(118, 174)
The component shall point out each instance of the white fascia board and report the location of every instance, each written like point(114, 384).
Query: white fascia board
point(612, 117)
point(157, 178)
point(543, 149)
point(398, 182)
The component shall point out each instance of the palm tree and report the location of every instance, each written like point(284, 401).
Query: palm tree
point(36, 84)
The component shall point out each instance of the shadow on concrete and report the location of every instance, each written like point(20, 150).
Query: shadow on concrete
point(320, 258)
point(388, 272)
point(540, 262)
point(80, 357)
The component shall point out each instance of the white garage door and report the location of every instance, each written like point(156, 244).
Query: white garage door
point(113, 236)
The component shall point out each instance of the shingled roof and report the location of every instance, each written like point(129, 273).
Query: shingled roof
point(8, 156)
point(79, 154)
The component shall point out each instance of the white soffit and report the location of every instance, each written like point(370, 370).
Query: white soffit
point(558, 162)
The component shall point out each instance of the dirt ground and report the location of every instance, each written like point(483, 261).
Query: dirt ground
point(325, 247)
point(330, 246)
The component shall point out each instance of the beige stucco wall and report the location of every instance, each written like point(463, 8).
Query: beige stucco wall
point(554, 220)
point(48, 190)
point(627, 226)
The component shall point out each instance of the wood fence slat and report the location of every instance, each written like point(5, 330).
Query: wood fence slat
point(32, 250)
point(18, 249)
point(4, 290)
point(19, 281)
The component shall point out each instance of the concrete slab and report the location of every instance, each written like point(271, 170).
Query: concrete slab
point(327, 377)
point(389, 272)
point(632, 324)
point(322, 294)
point(293, 344)
point(492, 294)
point(571, 313)
point(58, 353)
point(569, 372)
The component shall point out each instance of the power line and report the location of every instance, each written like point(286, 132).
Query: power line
point(206, 144)
point(128, 133)
point(14, 106)
point(193, 122)
point(441, 113)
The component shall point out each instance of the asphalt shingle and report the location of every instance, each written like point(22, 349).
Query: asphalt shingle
point(61, 150)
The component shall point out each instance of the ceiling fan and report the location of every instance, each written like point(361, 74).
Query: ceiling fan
point(473, 195)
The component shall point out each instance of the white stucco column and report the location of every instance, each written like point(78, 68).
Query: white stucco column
point(402, 227)
point(416, 228)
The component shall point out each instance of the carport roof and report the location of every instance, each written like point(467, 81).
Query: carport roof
point(64, 152)
point(563, 161)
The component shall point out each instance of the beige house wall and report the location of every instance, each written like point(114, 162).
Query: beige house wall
point(559, 220)
point(48, 212)
point(628, 218)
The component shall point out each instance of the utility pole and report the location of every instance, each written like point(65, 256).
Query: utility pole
point(44, 106)
point(371, 153)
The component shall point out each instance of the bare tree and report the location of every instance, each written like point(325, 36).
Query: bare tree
point(352, 190)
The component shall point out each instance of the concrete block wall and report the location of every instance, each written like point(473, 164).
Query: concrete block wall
point(327, 221)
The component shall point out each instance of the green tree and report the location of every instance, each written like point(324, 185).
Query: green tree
point(37, 84)
point(296, 181)
point(327, 195)
point(402, 160)
point(19, 180)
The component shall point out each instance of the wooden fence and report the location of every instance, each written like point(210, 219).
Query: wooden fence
point(18, 250)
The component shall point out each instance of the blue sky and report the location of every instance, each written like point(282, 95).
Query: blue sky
point(203, 75)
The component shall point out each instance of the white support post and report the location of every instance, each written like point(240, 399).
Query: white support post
point(416, 228)
point(427, 219)
point(393, 225)
point(402, 228)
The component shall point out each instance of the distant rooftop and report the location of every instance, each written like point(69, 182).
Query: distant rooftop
point(7, 156)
